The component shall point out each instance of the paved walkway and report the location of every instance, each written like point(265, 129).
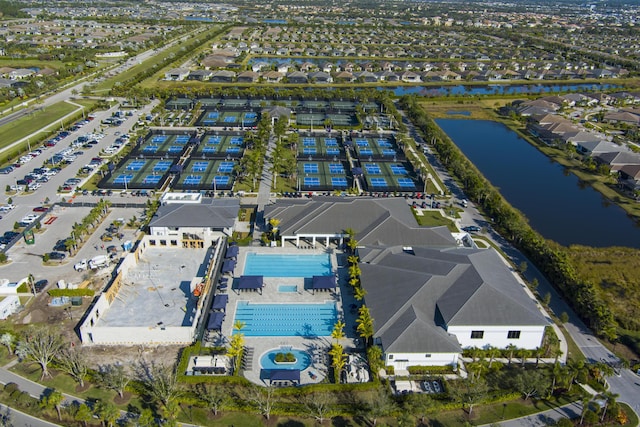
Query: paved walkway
point(542, 419)
point(264, 192)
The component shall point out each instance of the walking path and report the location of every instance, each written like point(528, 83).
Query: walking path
point(264, 192)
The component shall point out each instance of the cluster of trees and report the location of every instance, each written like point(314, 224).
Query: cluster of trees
point(550, 258)
point(166, 397)
point(250, 166)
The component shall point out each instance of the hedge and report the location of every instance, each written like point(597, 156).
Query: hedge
point(71, 292)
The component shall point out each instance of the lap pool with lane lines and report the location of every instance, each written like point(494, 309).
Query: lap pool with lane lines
point(286, 320)
point(287, 265)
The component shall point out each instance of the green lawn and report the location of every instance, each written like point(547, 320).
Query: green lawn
point(433, 218)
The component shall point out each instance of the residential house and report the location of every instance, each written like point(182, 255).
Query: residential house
point(222, 76)
point(248, 77)
point(272, 76)
point(297, 77)
point(177, 74)
point(320, 77)
point(200, 75)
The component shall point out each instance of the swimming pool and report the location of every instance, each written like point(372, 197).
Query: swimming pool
point(303, 359)
point(286, 265)
point(286, 320)
point(288, 289)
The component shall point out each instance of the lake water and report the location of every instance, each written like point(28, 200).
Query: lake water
point(557, 205)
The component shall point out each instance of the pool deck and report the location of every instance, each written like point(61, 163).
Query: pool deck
point(317, 347)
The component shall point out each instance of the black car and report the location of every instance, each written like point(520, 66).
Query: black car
point(57, 255)
point(40, 285)
point(10, 234)
point(60, 246)
point(471, 229)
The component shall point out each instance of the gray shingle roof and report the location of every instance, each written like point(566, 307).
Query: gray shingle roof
point(412, 297)
point(217, 214)
point(377, 222)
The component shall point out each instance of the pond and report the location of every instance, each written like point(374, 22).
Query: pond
point(558, 205)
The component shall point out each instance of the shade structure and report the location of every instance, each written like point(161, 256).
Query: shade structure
point(220, 302)
point(250, 283)
point(215, 321)
point(292, 375)
point(232, 252)
point(228, 266)
point(323, 282)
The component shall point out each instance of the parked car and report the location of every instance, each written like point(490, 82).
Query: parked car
point(40, 209)
point(40, 285)
point(57, 255)
point(471, 229)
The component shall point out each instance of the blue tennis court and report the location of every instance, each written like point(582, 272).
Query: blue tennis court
point(310, 167)
point(339, 182)
point(151, 179)
point(312, 181)
point(384, 143)
point(159, 139)
point(226, 167)
point(366, 151)
point(230, 119)
point(210, 150)
point(388, 152)
point(192, 180)
point(398, 170)
point(213, 115)
point(373, 169)
point(221, 179)
point(162, 166)
point(330, 142)
point(150, 149)
point(233, 150)
point(199, 166)
point(362, 143)
point(182, 139)
point(311, 143)
point(123, 179)
point(136, 165)
point(309, 150)
point(336, 169)
point(333, 151)
point(378, 182)
point(236, 140)
point(406, 183)
point(175, 149)
point(213, 140)
point(250, 115)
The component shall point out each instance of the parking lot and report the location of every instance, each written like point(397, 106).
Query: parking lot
point(27, 259)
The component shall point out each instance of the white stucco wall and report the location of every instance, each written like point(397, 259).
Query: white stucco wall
point(401, 361)
point(496, 336)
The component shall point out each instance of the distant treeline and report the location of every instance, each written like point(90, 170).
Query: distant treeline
point(9, 9)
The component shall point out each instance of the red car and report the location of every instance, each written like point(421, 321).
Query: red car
point(40, 209)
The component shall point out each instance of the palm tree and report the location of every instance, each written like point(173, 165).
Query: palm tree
point(352, 259)
point(510, 350)
point(492, 353)
point(609, 400)
point(338, 330)
point(359, 293)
